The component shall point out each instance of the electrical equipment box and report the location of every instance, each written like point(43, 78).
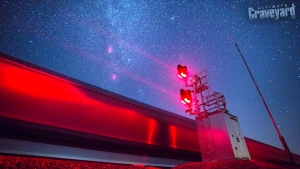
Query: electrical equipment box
point(221, 137)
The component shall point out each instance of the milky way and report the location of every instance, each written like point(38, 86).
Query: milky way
point(133, 47)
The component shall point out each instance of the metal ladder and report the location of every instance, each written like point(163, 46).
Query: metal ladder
point(207, 101)
point(206, 135)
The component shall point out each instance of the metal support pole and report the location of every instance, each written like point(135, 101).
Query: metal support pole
point(196, 105)
point(286, 148)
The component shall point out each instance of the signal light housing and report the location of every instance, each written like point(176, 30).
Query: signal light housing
point(186, 97)
point(182, 71)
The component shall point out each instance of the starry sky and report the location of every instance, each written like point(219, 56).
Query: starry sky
point(133, 47)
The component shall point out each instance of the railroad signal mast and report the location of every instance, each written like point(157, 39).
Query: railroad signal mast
point(210, 101)
point(211, 106)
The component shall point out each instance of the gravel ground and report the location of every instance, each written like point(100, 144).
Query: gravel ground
point(22, 162)
point(235, 164)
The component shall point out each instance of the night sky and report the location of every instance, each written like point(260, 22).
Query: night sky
point(133, 47)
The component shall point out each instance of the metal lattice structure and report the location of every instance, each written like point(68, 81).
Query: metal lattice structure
point(210, 102)
point(219, 132)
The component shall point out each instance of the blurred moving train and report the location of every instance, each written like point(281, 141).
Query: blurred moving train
point(40, 105)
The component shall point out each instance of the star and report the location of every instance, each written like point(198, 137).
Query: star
point(140, 43)
point(114, 76)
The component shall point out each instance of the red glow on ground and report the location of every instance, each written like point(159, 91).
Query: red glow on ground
point(236, 164)
point(44, 162)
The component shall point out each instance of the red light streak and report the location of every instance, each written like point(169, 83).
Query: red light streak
point(32, 95)
point(173, 133)
point(152, 129)
point(18, 79)
point(118, 69)
point(35, 96)
point(114, 38)
point(133, 76)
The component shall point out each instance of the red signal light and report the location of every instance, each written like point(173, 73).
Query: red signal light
point(182, 71)
point(186, 97)
point(187, 100)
